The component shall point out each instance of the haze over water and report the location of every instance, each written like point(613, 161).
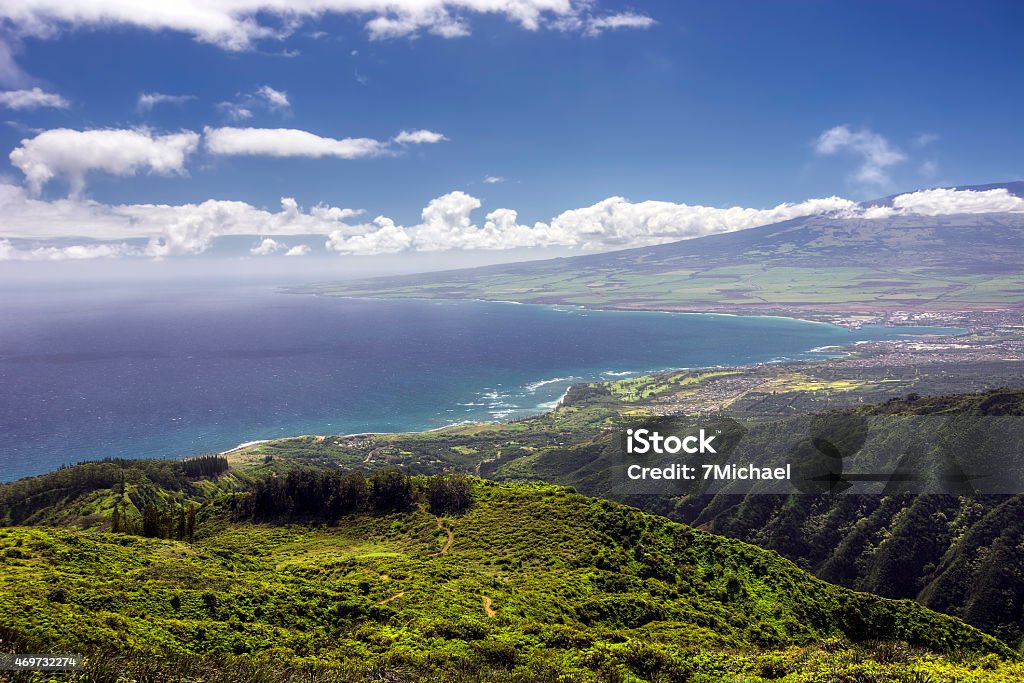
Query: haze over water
point(89, 375)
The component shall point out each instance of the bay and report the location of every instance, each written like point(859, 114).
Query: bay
point(91, 374)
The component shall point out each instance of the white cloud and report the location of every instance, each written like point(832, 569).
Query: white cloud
point(492, 179)
point(275, 99)
point(446, 223)
point(71, 154)
point(945, 201)
point(419, 137)
point(924, 139)
point(9, 252)
point(381, 236)
point(74, 252)
point(234, 111)
point(877, 155)
point(32, 99)
point(612, 223)
point(617, 222)
point(237, 24)
point(267, 247)
point(264, 98)
point(148, 100)
point(287, 142)
point(595, 26)
point(159, 229)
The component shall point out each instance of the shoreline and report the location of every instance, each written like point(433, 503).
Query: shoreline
point(848, 319)
point(833, 353)
point(247, 444)
point(585, 307)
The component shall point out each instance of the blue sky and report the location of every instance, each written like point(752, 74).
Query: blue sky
point(725, 104)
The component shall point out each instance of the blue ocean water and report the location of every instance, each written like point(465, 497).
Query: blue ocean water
point(86, 375)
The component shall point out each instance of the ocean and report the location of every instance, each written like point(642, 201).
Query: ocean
point(91, 374)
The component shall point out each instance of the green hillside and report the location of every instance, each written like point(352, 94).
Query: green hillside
point(958, 554)
point(527, 583)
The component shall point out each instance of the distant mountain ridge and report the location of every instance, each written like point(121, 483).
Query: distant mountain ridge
point(816, 263)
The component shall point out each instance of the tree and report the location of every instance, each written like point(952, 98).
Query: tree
point(449, 493)
point(391, 489)
point(190, 523)
point(151, 521)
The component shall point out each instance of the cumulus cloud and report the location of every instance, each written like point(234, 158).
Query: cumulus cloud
point(381, 236)
point(287, 142)
point(157, 230)
point(947, 201)
point(236, 25)
point(419, 137)
point(615, 222)
point(148, 100)
point(876, 153)
point(446, 223)
point(35, 98)
point(191, 228)
point(492, 179)
point(71, 154)
point(266, 247)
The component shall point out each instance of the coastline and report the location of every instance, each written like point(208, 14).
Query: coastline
point(525, 409)
point(847, 318)
point(833, 351)
point(247, 444)
point(586, 307)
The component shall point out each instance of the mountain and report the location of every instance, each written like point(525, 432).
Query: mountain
point(815, 263)
point(514, 583)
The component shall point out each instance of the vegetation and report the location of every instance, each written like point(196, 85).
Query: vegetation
point(528, 583)
point(96, 492)
point(958, 554)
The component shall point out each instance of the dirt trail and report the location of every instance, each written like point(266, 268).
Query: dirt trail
point(488, 610)
point(448, 543)
point(393, 597)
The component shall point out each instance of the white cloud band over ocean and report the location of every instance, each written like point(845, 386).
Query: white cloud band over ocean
point(38, 229)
